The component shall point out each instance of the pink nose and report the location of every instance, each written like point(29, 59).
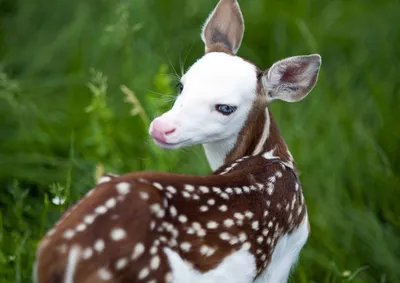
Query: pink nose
point(160, 130)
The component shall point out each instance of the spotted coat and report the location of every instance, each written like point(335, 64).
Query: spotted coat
point(121, 230)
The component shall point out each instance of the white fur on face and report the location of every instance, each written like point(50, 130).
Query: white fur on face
point(216, 78)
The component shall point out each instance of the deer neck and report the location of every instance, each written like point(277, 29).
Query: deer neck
point(259, 136)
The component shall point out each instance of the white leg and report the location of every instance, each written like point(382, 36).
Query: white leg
point(285, 256)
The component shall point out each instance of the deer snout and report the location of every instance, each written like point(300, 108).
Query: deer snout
point(160, 130)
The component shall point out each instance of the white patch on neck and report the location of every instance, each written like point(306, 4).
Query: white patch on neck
point(265, 134)
point(239, 267)
point(216, 152)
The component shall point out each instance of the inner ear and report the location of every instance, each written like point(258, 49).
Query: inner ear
point(293, 78)
point(224, 27)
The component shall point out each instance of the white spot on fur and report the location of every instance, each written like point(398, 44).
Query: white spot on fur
point(224, 195)
point(100, 209)
point(121, 263)
point(118, 234)
point(293, 202)
point(155, 262)
point(153, 250)
point(171, 189)
point(203, 208)
point(211, 201)
point(254, 225)
point(87, 253)
point(69, 234)
point(228, 223)
point(225, 236)
point(89, 219)
point(270, 188)
point(123, 188)
point(206, 250)
point(81, 227)
point(185, 246)
point(104, 274)
point(238, 215)
point(242, 237)
point(156, 209)
point(143, 273)
point(158, 186)
point(111, 203)
point(212, 225)
point(204, 189)
point(189, 188)
point(216, 190)
point(182, 218)
point(223, 208)
point(144, 195)
point(99, 246)
point(186, 194)
point(249, 214)
point(173, 211)
point(138, 251)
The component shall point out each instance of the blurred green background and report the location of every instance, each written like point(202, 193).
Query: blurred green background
point(81, 79)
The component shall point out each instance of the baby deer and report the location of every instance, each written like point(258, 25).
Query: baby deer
point(247, 222)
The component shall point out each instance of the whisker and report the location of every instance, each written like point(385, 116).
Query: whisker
point(182, 64)
point(172, 66)
point(167, 98)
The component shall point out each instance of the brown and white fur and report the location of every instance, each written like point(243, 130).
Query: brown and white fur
point(247, 222)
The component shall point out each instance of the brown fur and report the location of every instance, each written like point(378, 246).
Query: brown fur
point(135, 218)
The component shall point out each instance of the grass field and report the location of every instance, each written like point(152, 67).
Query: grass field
point(81, 79)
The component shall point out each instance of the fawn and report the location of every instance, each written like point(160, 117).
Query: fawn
point(246, 222)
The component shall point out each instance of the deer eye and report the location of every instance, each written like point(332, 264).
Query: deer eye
point(179, 86)
point(225, 109)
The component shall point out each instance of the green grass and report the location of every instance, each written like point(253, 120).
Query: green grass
point(80, 81)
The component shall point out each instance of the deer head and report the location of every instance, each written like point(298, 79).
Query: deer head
point(221, 90)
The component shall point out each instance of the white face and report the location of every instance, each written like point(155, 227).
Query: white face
point(217, 94)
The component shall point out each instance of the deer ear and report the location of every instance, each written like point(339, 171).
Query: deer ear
point(224, 26)
point(293, 78)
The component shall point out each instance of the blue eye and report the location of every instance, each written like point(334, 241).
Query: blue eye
point(225, 109)
point(180, 87)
